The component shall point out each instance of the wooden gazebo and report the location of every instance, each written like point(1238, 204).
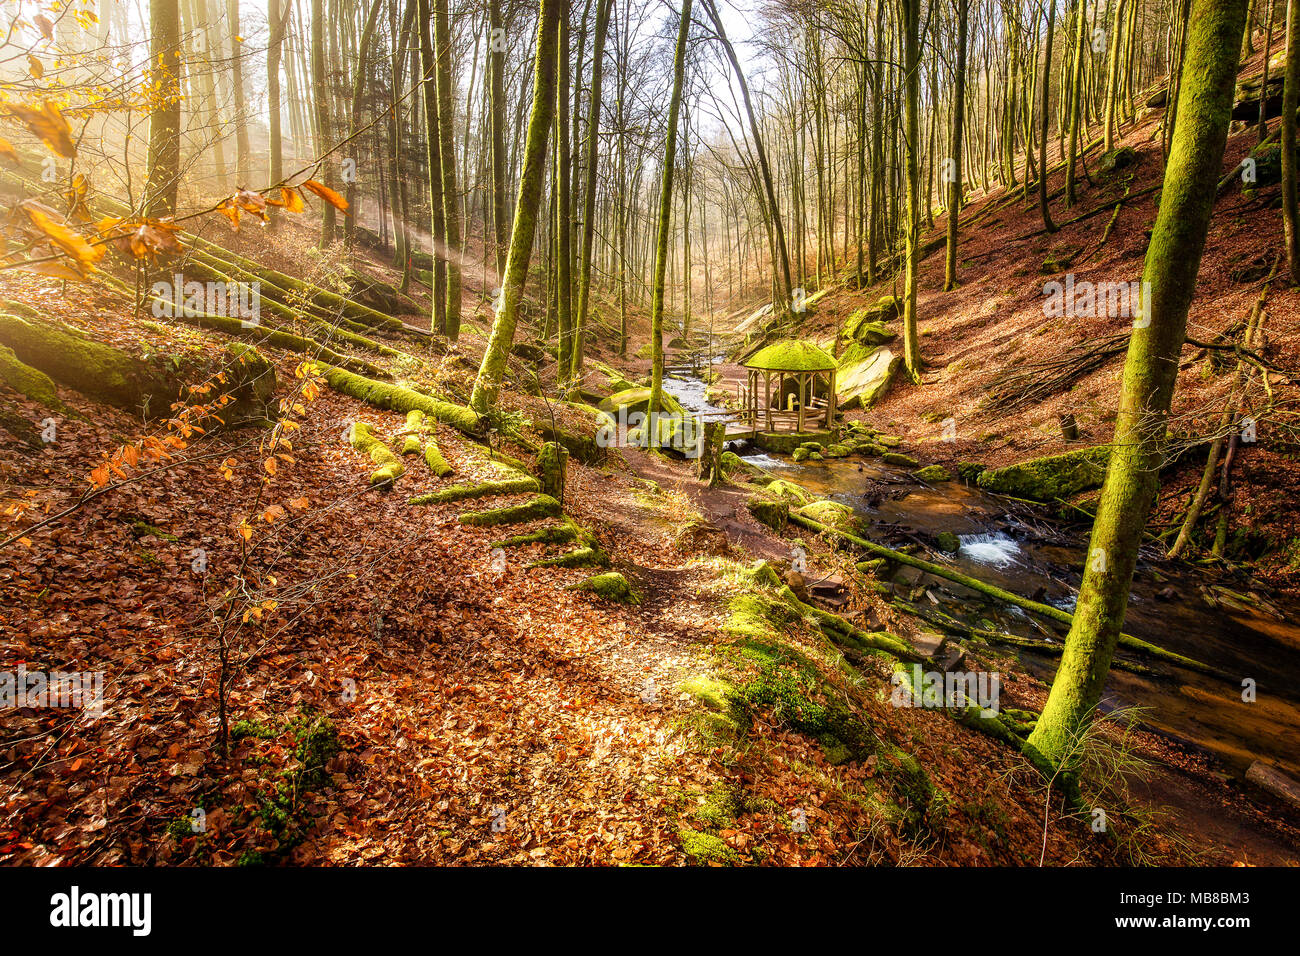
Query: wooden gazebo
point(798, 360)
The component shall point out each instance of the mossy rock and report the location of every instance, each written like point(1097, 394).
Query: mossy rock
point(837, 451)
point(1055, 476)
point(948, 542)
point(585, 448)
point(889, 441)
point(772, 512)
point(705, 849)
point(804, 453)
point(789, 491)
point(867, 327)
point(900, 460)
point(762, 574)
point(865, 375)
point(733, 464)
point(1118, 158)
point(833, 514)
point(25, 380)
point(610, 586)
point(529, 352)
point(637, 399)
point(584, 557)
point(970, 470)
point(933, 474)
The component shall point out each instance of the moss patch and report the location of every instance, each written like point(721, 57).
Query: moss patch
point(1056, 476)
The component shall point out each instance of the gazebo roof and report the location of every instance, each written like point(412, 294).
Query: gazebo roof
point(791, 355)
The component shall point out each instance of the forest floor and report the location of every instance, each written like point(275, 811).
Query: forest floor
point(409, 700)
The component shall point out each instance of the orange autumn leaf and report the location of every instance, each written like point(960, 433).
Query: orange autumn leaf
point(290, 200)
point(327, 194)
point(48, 125)
point(270, 465)
point(45, 26)
point(299, 504)
point(34, 67)
point(8, 154)
point(51, 225)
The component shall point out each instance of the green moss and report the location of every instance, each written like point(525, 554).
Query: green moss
point(485, 489)
point(792, 355)
point(772, 512)
point(900, 460)
point(714, 694)
point(948, 542)
point(789, 491)
point(390, 466)
point(1056, 476)
point(96, 370)
point(400, 399)
point(28, 381)
point(586, 557)
point(705, 849)
point(610, 586)
point(540, 506)
point(933, 474)
point(834, 514)
point(637, 399)
point(837, 451)
point(558, 534)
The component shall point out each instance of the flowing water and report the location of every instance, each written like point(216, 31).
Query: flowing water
point(1182, 609)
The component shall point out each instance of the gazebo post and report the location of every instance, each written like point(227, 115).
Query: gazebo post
point(767, 396)
point(830, 402)
point(800, 381)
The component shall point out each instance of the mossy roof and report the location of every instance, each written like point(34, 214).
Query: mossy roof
point(792, 355)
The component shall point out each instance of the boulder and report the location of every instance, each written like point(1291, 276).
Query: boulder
point(865, 375)
point(1055, 476)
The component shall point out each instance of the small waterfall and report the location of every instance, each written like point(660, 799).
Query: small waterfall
point(995, 548)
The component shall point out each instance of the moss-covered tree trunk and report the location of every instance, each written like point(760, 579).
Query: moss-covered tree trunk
point(321, 99)
point(1290, 96)
point(164, 157)
point(665, 217)
point(496, 86)
point(447, 157)
point(910, 11)
point(493, 366)
point(593, 159)
point(563, 212)
point(1046, 84)
point(954, 153)
point(433, 147)
point(1173, 259)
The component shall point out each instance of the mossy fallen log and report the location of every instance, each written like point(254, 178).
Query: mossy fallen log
point(28, 381)
point(587, 557)
point(96, 370)
point(610, 586)
point(484, 489)
point(398, 398)
point(557, 534)
point(262, 335)
point(974, 584)
point(390, 467)
point(411, 440)
point(843, 632)
point(540, 506)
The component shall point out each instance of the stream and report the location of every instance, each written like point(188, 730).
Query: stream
point(1181, 608)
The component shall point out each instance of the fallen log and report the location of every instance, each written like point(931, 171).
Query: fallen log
point(974, 584)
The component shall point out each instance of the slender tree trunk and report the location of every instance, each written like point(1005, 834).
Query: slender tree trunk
point(496, 82)
point(1290, 96)
point(275, 45)
point(1046, 84)
point(593, 159)
point(666, 215)
point(447, 157)
point(954, 155)
point(1169, 280)
point(164, 156)
point(242, 149)
point(493, 367)
point(321, 95)
point(910, 15)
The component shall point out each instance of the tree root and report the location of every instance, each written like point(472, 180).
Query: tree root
point(486, 489)
point(541, 506)
point(1045, 610)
